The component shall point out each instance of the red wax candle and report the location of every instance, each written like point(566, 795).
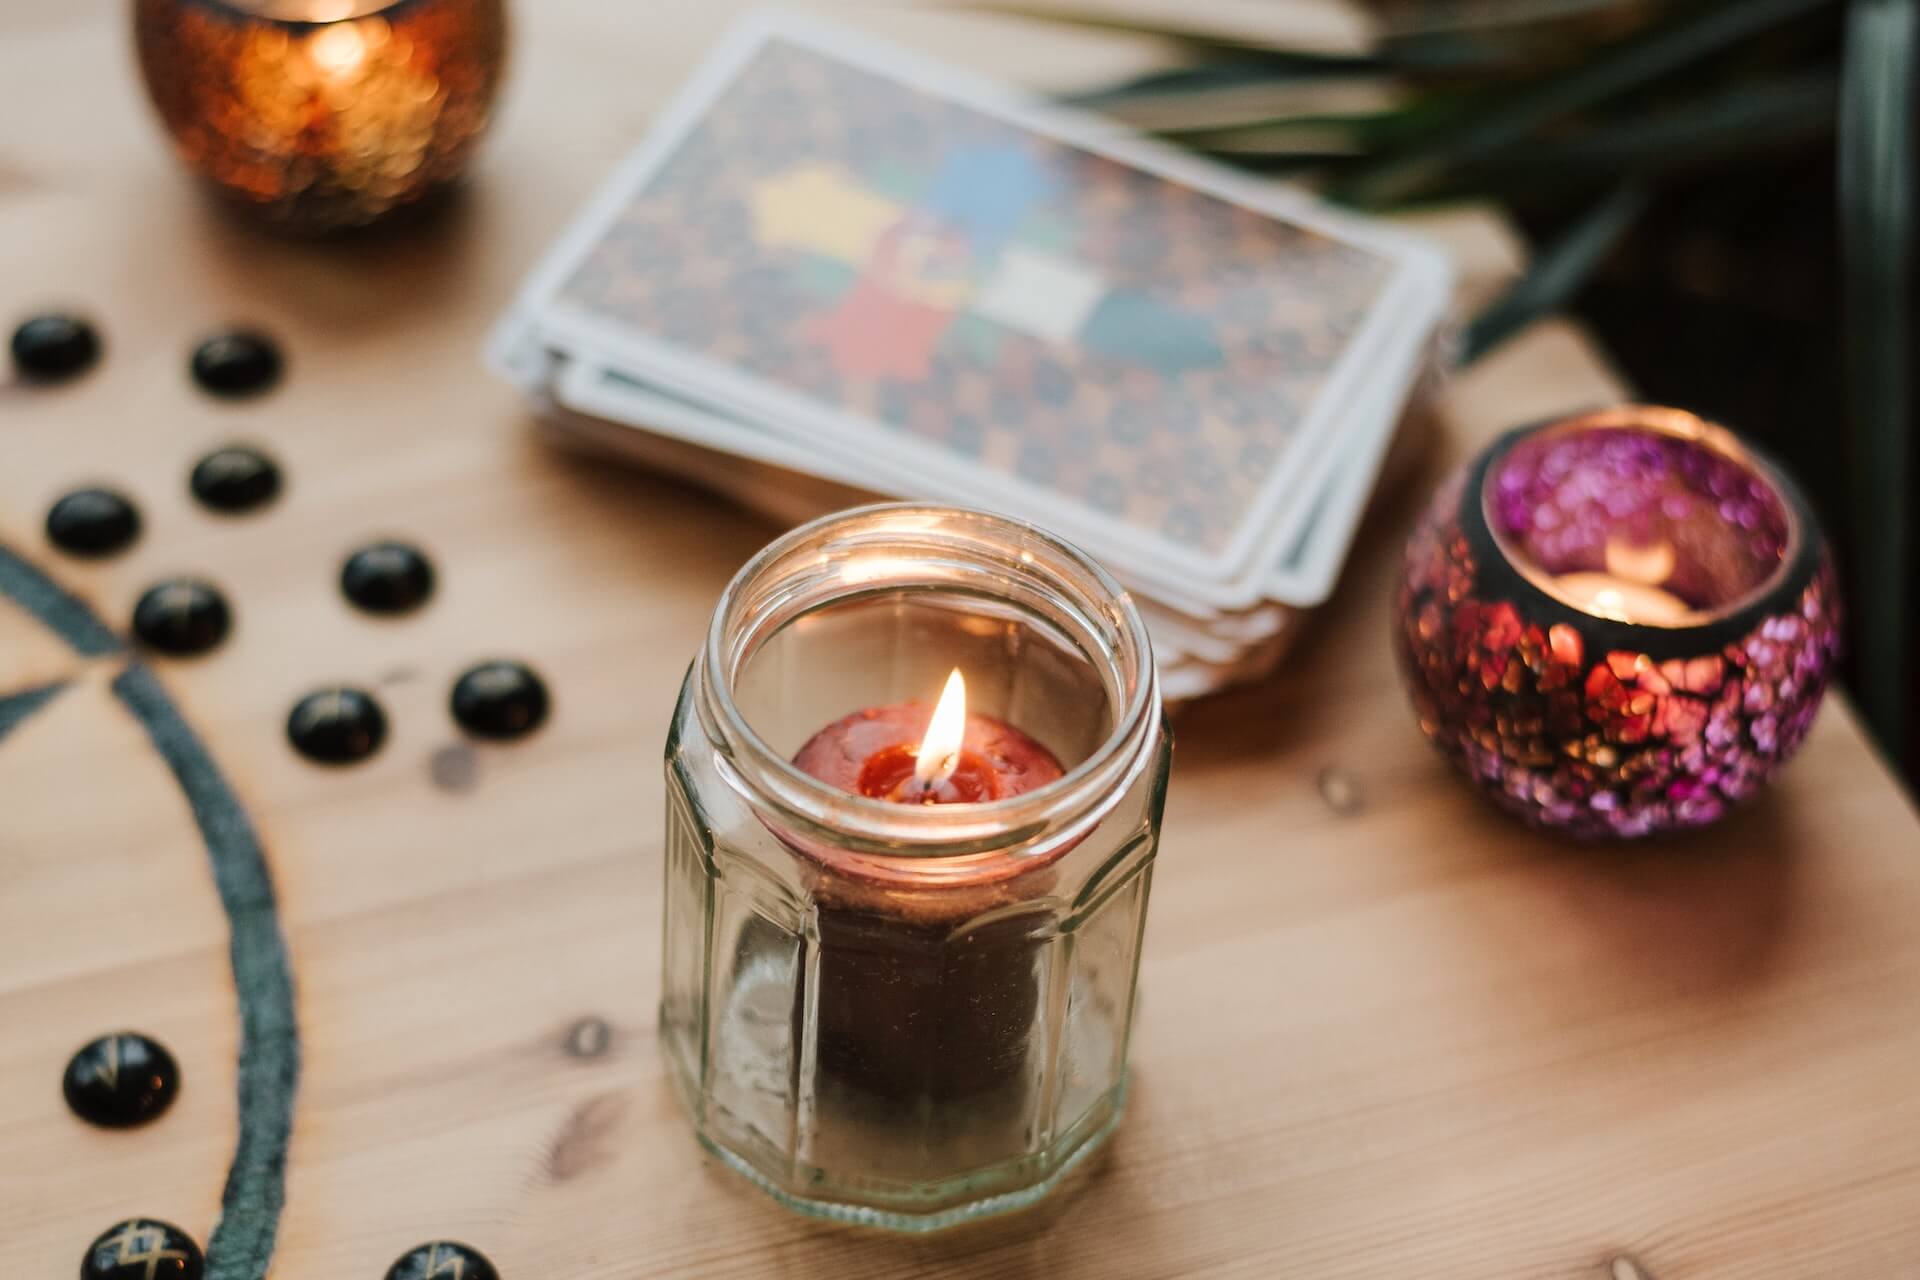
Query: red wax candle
point(874, 753)
point(916, 1006)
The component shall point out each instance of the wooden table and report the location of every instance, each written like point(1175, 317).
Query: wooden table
point(1390, 1037)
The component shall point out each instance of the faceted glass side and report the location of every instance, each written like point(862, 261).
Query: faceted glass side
point(683, 978)
point(896, 1060)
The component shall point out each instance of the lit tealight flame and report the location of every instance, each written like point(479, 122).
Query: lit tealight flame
point(1652, 565)
point(939, 752)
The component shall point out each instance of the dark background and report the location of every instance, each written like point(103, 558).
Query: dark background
point(1725, 298)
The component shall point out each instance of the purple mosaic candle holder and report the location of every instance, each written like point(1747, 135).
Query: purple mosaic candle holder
point(1618, 624)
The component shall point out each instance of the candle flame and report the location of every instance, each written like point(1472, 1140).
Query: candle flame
point(939, 752)
point(1652, 565)
point(1609, 603)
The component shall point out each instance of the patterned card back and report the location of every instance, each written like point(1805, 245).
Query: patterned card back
point(1036, 312)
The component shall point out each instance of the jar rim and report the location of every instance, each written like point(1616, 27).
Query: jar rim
point(1676, 424)
point(1034, 821)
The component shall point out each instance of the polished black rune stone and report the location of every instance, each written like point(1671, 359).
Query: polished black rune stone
point(93, 522)
point(239, 362)
point(235, 479)
point(442, 1258)
point(143, 1249)
point(182, 616)
point(387, 577)
point(121, 1080)
point(499, 700)
point(337, 726)
point(53, 348)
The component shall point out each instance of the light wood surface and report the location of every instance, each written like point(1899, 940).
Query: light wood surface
point(1392, 1037)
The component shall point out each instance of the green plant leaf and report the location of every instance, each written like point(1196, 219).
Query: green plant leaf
point(1482, 15)
point(1229, 73)
point(1720, 126)
point(1876, 215)
point(1447, 50)
point(1229, 105)
point(1507, 117)
point(1362, 131)
point(1167, 23)
point(1557, 272)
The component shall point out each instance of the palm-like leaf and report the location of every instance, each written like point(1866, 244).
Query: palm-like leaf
point(1557, 272)
point(1511, 116)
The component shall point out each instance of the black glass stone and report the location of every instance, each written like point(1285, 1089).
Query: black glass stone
point(235, 479)
point(93, 522)
point(500, 700)
point(182, 616)
point(53, 348)
point(121, 1080)
point(143, 1249)
point(238, 362)
point(337, 726)
point(387, 577)
point(442, 1258)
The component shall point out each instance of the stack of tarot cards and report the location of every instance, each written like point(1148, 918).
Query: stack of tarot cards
point(835, 270)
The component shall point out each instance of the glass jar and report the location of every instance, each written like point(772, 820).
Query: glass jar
point(909, 1015)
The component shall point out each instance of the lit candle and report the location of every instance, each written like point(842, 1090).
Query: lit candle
point(1622, 599)
point(1629, 590)
point(902, 1017)
point(1617, 624)
point(901, 754)
point(901, 945)
point(320, 114)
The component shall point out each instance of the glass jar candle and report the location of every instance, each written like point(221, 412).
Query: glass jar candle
point(899, 972)
point(318, 115)
point(1618, 624)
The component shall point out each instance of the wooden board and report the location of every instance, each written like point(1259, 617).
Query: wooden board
point(1386, 1037)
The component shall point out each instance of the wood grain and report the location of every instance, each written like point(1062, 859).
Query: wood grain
point(1386, 1037)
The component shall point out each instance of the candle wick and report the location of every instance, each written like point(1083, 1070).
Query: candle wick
point(914, 789)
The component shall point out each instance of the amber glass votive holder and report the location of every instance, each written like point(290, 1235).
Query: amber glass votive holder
point(1618, 624)
point(320, 115)
point(909, 1016)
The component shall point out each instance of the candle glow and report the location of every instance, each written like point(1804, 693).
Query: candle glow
point(1632, 588)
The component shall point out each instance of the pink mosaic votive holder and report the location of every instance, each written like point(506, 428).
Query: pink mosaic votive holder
point(1618, 624)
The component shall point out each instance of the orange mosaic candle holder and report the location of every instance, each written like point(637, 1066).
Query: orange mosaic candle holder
point(319, 115)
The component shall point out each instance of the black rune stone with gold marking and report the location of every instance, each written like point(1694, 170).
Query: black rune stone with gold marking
point(337, 726)
point(121, 1080)
point(93, 522)
point(387, 577)
point(239, 362)
point(443, 1260)
point(500, 700)
point(53, 348)
point(182, 616)
point(235, 479)
point(143, 1249)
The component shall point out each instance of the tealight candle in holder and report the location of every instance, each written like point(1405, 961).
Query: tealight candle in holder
point(318, 115)
point(1618, 624)
point(914, 787)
